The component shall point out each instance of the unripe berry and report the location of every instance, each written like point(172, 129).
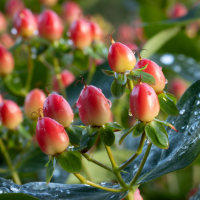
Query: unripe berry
point(155, 71)
point(94, 108)
point(67, 78)
point(24, 23)
point(13, 6)
point(3, 23)
point(120, 57)
point(33, 101)
point(178, 10)
point(57, 108)
point(80, 33)
point(144, 104)
point(6, 40)
point(48, 2)
point(51, 136)
point(49, 25)
point(6, 61)
point(71, 11)
point(11, 115)
point(96, 31)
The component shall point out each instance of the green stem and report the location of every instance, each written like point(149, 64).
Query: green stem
point(130, 85)
point(110, 155)
point(3, 171)
point(14, 174)
point(89, 158)
point(134, 156)
point(141, 165)
point(124, 136)
point(130, 195)
point(59, 78)
point(92, 70)
point(45, 63)
point(84, 181)
point(30, 70)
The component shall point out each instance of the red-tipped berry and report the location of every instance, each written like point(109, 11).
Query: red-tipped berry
point(24, 23)
point(144, 104)
point(11, 115)
point(49, 25)
point(48, 3)
point(6, 40)
point(51, 136)
point(120, 57)
point(67, 78)
point(94, 108)
point(80, 33)
point(71, 11)
point(96, 31)
point(178, 10)
point(6, 62)
point(13, 6)
point(3, 23)
point(155, 71)
point(125, 33)
point(34, 100)
point(57, 108)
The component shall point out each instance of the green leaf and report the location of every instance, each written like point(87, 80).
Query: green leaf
point(22, 131)
point(172, 97)
point(121, 78)
point(142, 68)
point(114, 126)
point(75, 134)
point(145, 77)
point(117, 89)
point(70, 161)
point(158, 40)
point(107, 136)
point(138, 129)
point(16, 196)
point(157, 135)
point(167, 105)
point(107, 72)
point(50, 169)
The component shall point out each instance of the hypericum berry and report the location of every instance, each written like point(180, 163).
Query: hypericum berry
point(144, 104)
point(11, 115)
point(48, 3)
point(80, 33)
point(57, 108)
point(33, 101)
point(3, 23)
point(6, 40)
point(120, 57)
point(51, 136)
point(178, 10)
point(13, 6)
point(132, 46)
point(6, 61)
point(71, 11)
point(155, 71)
point(94, 108)
point(67, 78)
point(96, 31)
point(139, 30)
point(177, 87)
point(125, 33)
point(137, 195)
point(24, 23)
point(49, 25)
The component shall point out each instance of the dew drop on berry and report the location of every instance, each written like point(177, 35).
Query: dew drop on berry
point(148, 92)
point(60, 99)
point(166, 81)
point(109, 102)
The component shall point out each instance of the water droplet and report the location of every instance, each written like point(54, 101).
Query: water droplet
point(60, 99)
point(71, 148)
point(198, 102)
point(112, 196)
point(109, 102)
point(100, 89)
point(103, 183)
point(166, 81)
point(68, 192)
point(4, 183)
point(183, 127)
point(148, 142)
point(195, 112)
point(4, 190)
point(15, 188)
point(129, 113)
point(182, 111)
point(167, 59)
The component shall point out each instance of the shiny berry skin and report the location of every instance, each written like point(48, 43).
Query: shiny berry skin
point(94, 108)
point(155, 71)
point(179, 10)
point(96, 31)
point(6, 40)
point(33, 101)
point(51, 136)
point(81, 34)
point(121, 58)
point(6, 62)
point(49, 25)
point(144, 104)
point(177, 87)
point(71, 11)
point(57, 108)
point(24, 23)
point(3, 23)
point(13, 6)
point(67, 78)
point(11, 115)
point(48, 2)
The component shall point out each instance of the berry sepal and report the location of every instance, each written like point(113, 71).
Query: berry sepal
point(50, 169)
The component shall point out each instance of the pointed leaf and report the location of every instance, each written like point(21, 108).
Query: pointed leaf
point(75, 134)
point(138, 129)
point(142, 68)
point(50, 169)
point(157, 134)
point(107, 72)
point(70, 161)
point(114, 126)
point(172, 97)
point(121, 78)
point(107, 136)
point(117, 89)
point(167, 105)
